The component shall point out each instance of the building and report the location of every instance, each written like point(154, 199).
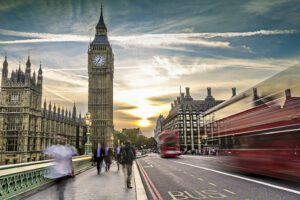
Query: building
point(25, 128)
point(183, 117)
point(158, 127)
point(135, 131)
point(100, 94)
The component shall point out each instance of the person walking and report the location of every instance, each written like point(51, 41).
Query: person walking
point(128, 156)
point(63, 164)
point(108, 157)
point(118, 155)
point(98, 158)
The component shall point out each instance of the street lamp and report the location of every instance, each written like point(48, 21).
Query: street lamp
point(88, 123)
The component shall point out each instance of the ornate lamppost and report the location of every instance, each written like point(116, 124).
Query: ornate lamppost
point(88, 144)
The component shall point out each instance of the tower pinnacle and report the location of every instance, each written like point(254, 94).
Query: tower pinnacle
point(101, 23)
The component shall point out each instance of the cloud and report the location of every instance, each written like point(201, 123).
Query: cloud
point(121, 106)
point(162, 99)
point(261, 7)
point(169, 40)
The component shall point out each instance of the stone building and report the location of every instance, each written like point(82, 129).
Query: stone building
point(158, 127)
point(25, 128)
point(135, 131)
point(101, 74)
point(183, 117)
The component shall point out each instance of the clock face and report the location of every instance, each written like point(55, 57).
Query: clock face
point(99, 60)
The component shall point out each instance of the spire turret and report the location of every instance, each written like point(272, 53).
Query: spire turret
point(5, 68)
point(28, 65)
point(40, 76)
point(45, 104)
point(50, 107)
point(74, 112)
point(101, 23)
point(34, 78)
point(58, 111)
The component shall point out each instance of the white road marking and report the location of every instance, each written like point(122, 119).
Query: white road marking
point(148, 166)
point(200, 179)
point(213, 184)
point(243, 178)
point(229, 191)
point(185, 172)
point(192, 175)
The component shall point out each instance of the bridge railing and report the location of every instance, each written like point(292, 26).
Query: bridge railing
point(17, 179)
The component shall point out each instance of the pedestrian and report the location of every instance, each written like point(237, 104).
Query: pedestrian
point(98, 158)
point(108, 157)
point(118, 155)
point(63, 164)
point(128, 156)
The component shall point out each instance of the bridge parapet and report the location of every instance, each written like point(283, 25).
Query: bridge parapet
point(20, 178)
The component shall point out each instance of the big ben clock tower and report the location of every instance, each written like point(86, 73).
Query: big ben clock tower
point(100, 97)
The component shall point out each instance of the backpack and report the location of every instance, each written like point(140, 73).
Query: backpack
point(125, 158)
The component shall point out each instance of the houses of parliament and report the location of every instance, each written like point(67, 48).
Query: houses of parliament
point(27, 128)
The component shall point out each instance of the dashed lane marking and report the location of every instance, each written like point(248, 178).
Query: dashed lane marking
point(192, 175)
point(229, 191)
point(243, 178)
point(213, 184)
point(200, 179)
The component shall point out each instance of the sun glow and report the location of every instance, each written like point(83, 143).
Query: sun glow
point(144, 123)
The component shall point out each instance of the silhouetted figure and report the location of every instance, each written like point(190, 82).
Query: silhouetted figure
point(98, 157)
point(108, 154)
point(128, 156)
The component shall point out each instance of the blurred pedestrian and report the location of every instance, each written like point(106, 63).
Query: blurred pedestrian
point(98, 157)
point(63, 164)
point(108, 154)
point(118, 155)
point(128, 156)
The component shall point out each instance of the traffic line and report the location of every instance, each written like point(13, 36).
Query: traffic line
point(243, 178)
point(213, 184)
point(155, 194)
point(146, 181)
point(229, 191)
point(200, 179)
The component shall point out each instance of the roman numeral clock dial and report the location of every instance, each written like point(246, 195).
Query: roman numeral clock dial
point(99, 60)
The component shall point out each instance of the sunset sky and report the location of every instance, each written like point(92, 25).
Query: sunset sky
point(158, 46)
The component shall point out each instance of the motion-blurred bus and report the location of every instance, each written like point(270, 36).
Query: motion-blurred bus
point(259, 130)
point(169, 143)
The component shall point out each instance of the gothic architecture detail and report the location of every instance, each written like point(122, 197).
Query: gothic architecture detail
point(26, 128)
point(101, 74)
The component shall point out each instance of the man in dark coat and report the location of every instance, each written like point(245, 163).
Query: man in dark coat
point(108, 154)
point(128, 156)
point(98, 157)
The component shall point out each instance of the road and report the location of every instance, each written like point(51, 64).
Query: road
point(200, 177)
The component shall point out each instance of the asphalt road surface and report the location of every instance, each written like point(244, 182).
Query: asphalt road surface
point(200, 177)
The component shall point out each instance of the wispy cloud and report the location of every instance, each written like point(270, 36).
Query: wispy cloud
point(144, 40)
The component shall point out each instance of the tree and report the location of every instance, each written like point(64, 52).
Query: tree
point(119, 136)
point(151, 143)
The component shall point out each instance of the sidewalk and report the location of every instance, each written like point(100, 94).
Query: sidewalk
point(90, 186)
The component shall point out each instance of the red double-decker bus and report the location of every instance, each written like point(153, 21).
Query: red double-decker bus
point(169, 143)
point(258, 131)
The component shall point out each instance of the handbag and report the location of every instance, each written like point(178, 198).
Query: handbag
point(103, 164)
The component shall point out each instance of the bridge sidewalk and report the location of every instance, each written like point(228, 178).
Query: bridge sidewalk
point(88, 185)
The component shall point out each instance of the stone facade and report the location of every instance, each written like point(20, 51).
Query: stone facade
point(100, 97)
point(25, 128)
point(183, 117)
point(158, 127)
point(135, 131)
